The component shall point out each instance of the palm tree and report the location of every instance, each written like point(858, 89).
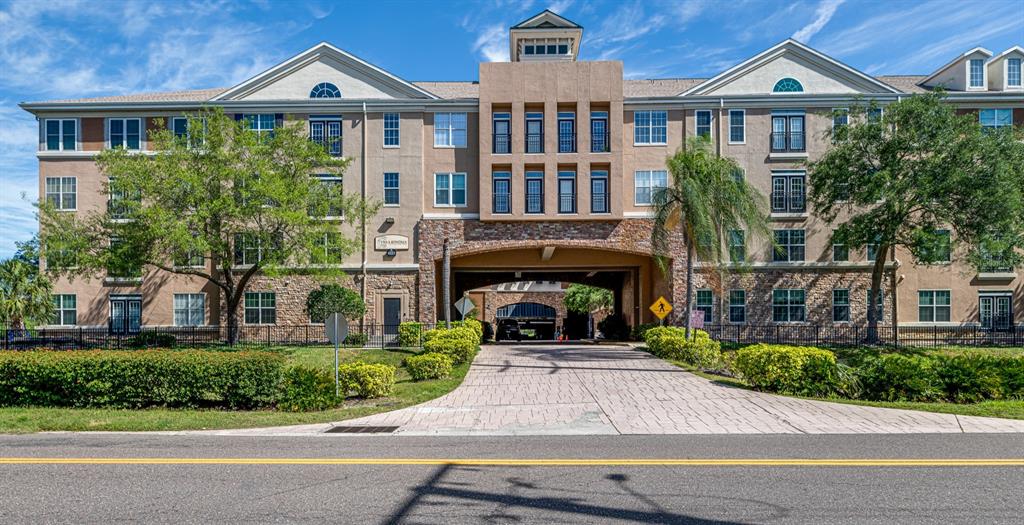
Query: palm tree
point(706, 200)
point(24, 295)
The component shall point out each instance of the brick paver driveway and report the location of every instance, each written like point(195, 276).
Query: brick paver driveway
point(584, 389)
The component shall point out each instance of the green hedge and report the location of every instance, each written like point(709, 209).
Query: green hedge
point(304, 389)
point(429, 366)
point(136, 379)
point(963, 378)
point(897, 377)
point(459, 343)
point(409, 334)
point(356, 340)
point(476, 326)
point(366, 380)
point(670, 342)
point(795, 370)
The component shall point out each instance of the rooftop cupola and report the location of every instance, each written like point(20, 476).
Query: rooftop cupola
point(544, 36)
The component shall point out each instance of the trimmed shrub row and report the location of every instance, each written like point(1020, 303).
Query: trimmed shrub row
point(304, 389)
point(795, 370)
point(409, 334)
point(366, 380)
point(459, 343)
point(429, 366)
point(670, 342)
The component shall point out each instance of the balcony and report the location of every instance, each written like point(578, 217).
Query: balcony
point(567, 203)
point(534, 203)
point(567, 143)
point(535, 142)
point(502, 143)
point(502, 203)
point(599, 143)
point(599, 203)
point(791, 142)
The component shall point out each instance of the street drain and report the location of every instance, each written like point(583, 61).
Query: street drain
point(360, 430)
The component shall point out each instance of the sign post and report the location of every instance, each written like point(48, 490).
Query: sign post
point(661, 308)
point(464, 306)
point(336, 327)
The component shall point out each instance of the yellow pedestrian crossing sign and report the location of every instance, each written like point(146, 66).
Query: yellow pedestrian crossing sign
point(661, 308)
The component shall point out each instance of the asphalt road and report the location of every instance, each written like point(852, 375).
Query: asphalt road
point(92, 478)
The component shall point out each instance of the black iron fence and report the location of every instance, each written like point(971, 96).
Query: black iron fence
point(72, 338)
point(854, 335)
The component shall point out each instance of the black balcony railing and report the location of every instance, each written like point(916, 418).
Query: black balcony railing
point(792, 141)
point(534, 203)
point(566, 203)
point(535, 143)
point(788, 202)
point(502, 203)
point(599, 143)
point(567, 143)
point(502, 143)
point(599, 202)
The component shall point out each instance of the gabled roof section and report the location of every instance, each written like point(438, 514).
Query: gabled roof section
point(955, 61)
point(789, 48)
point(1014, 49)
point(384, 81)
point(547, 19)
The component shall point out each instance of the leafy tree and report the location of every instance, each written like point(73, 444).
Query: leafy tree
point(584, 299)
point(922, 178)
point(223, 203)
point(25, 295)
point(705, 201)
point(28, 251)
point(331, 298)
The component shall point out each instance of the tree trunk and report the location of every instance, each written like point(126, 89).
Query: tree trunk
point(232, 318)
point(875, 292)
point(689, 287)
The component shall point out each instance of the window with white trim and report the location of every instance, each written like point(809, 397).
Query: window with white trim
point(326, 131)
point(248, 249)
point(737, 127)
point(124, 133)
point(703, 123)
point(841, 305)
point(791, 244)
point(646, 183)
point(737, 246)
point(260, 308)
point(995, 118)
point(1013, 72)
point(976, 71)
point(450, 130)
point(737, 306)
point(391, 193)
point(391, 127)
point(840, 118)
point(840, 253)
point(879, 304)
point(62, 192)
point(933, 306)
point(65, 309)
point(261, 123)
point(705, 303)
point(650, 127)
point(449, 190)
point(189, 309)
point(61, 134)
point(789, 306)
point(328, 249)
point(333, 188)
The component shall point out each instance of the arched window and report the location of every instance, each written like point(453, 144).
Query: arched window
point(325, 90)
point(525, 311)
point(787, 85)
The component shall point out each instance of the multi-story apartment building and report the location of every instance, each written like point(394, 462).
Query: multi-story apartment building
point(543, 170)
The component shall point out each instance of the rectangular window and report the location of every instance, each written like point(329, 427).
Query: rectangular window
point(263, 123)
point(121, 264)
point(933, 306)
point(189, 309)
point(1013, 72)
point(840, 253)
point(190, 259)
point(650, 127)
point(840, 121)
point(120, 200)
point(535, 192)
point(391, 193)
point(449, 189)
point(60, 257)
point(125, 132)
point(705, 302)
point(501, 126)
point(646, 184)
point(566, 132)
point(61, 135)
point(703, 118)
point(65, 309)
point(737, 306)
point(788, 133)
point(737, 130)
point(941, 250)
point(260, 308)
point(450, 130)
point(599, 197)
point(599, 141)
point(789, 192)
point(788, 306)
point(841, 306)
point(328, 249)
point(567, 192)
point(62, 192)
point(879, 304)
point(872, 252)
point(333, 188)
point(391, 133)
point(737, 246)
point(535, 133)
point(247, 249)
point(790, 246)
point(179, 126)
point(501, 182)
point(326, 131)
point(977, 73)
point(995, 118)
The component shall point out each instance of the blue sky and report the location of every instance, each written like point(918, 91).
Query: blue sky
point(73, 48)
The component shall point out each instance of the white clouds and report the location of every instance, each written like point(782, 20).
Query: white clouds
point(823, 14)
point(560, 6)
point(492, 43)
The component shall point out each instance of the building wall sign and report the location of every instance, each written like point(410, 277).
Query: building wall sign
point(391, 242)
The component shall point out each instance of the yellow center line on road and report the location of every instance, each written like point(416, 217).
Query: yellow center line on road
point(1016, 462)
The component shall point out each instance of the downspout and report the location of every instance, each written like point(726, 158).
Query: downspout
point(721, 113)
point(362, 212)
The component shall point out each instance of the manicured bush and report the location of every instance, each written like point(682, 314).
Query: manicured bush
point(653, 336)
point(969, 378)
point(638, 331)
point(670, 342)
point(458, 343)
point(897, 377)
point(1011, 372)
point(429, 366)
point(366, 380)
point(476, 326)
point(136, 379)
point(355, 340)
point(797, 370)
point(153, 340)
point(304, 389)
point(409, 334)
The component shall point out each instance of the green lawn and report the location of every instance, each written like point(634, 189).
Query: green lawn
point(407, 393)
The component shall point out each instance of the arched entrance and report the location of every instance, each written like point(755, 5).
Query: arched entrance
point(532, 320)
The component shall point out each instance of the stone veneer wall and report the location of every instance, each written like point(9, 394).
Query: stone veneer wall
point(496, 299)
point(468, 237)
